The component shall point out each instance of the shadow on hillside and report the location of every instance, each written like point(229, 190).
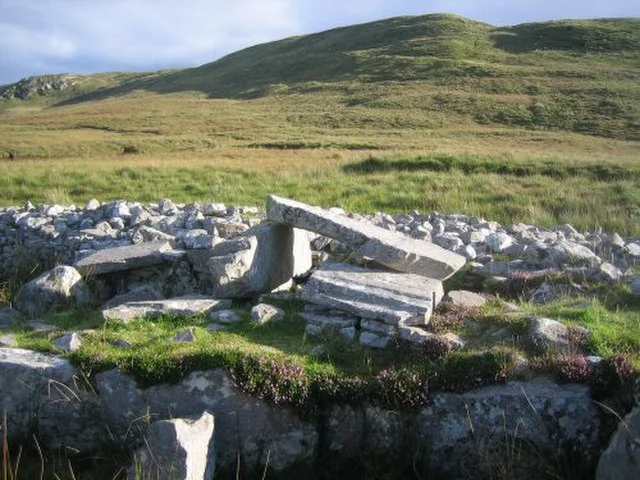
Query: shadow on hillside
point(475, 165)
point(590, 36)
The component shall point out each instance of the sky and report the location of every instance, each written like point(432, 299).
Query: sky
point(89, 36)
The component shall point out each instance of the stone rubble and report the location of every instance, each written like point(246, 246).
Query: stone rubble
point(132, 256)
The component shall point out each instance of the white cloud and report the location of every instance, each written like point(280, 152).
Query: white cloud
point(48, 36)
point(143, 34)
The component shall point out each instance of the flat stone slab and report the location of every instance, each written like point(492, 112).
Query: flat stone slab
point(392, 249)
point(179, 306)
point(393, 298)
point(120, 259)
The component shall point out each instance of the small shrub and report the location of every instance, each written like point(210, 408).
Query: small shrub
point(278, 383)
point(450, 318)
point(571, 368)
point(461, 371)
point(130, 149)
point(395, 389)
point(434, 349)
point(611, 375)
point(325, 389)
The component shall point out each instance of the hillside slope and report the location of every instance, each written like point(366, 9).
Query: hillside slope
point(572, 75)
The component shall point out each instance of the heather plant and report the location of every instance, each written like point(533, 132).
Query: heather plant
point(399, 388)
point(611, 375)
point(279, 383)
point(571, 368)
point(434, 349)
point(450, 318)
point(326, 389)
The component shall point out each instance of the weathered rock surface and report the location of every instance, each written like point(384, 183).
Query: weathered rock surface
point(394, 250)
point(320, 319)
point(546, 334)
point(177, 449)
point(258, 261)
point(245, 426)
point(263, 313)
point(621, 459)
point(69, 342)
point(187, 305)
point(38, 392)
point(463, 430)
point(129, 257)
point(395, 298)
point(466, 299)
point(225, 317)
point(58, 289)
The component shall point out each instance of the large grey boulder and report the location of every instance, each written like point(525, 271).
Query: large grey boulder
point(40, 393)
point(464, 431)
point(395, 298)
point(621, 459)
point(120, 259)
point(57, 289)
point(179, 306)
point(572, 253)
point(177, 449)
point(392, 249)
point(546, 334)
point(260, 260)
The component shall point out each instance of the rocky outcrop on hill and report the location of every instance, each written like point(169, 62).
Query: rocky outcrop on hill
point(39, 85)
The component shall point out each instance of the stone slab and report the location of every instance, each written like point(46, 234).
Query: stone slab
point(182, 306)
point(394, 298)
point(392, 249)
point(120, 259)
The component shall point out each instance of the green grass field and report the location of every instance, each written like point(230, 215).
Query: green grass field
point(535, 123)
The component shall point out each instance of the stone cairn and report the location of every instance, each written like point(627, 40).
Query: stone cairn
point(368, 278)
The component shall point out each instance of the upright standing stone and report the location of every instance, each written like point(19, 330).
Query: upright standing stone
point(395, 250)
point(178, 449)
point(260, 260)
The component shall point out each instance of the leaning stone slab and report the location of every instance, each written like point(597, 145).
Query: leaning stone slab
point(394, 298)
point(392, 249)
point(182, 306)
point(180, 449)
point(120, 259)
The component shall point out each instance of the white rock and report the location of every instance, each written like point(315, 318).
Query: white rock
point(263, 313)
point(178, 449)
point(69, 342)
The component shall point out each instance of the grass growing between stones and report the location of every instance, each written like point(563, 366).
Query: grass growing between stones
point(493, 335)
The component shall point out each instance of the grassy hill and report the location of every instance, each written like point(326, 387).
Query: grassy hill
point(553, 100)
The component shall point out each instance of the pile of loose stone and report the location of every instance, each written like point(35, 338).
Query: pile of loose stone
point(369, 278)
